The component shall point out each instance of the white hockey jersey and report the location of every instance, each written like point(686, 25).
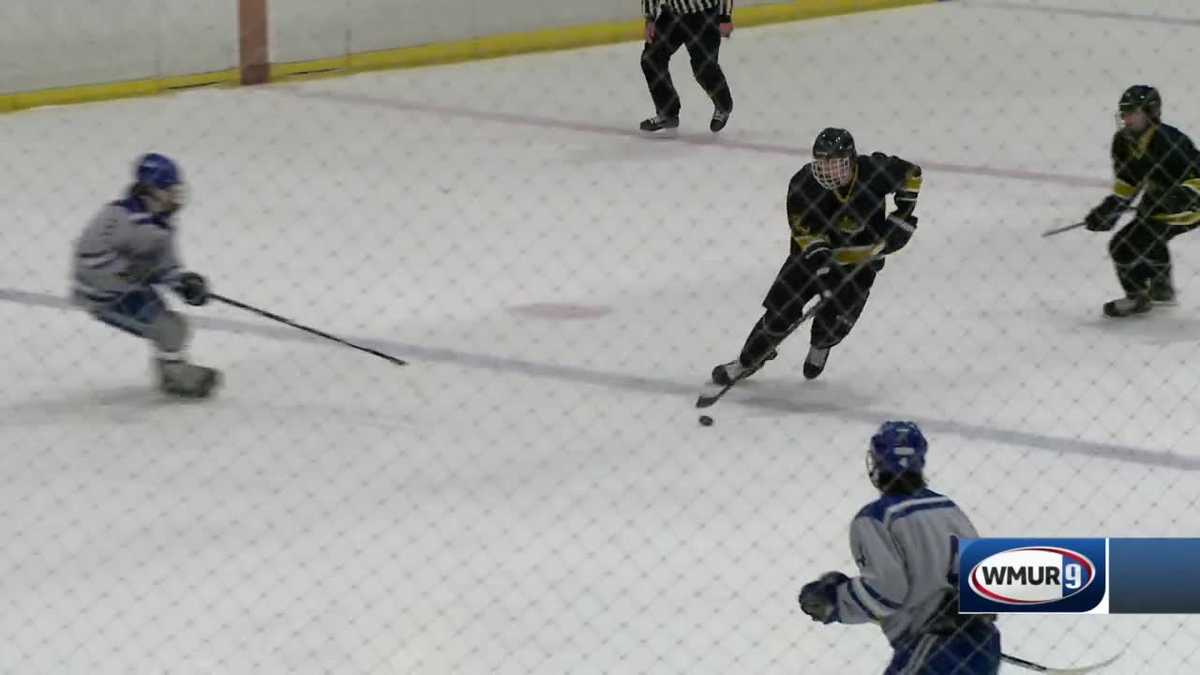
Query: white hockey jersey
point(125, 247)
point(906, 548)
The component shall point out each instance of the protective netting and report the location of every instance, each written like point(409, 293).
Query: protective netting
point(532, 494)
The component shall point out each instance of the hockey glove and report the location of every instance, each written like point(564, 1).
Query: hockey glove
point(1105, 216)
point(901, 229)
point(818, 599)
point(193, 288)
point(818, 260)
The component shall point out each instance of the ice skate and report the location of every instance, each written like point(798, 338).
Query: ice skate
point(719, 119)
point(660, 124)
point(728, 373)
point(186, 380)
point(1128, 306)
point(814, 363)
point(1162, 293)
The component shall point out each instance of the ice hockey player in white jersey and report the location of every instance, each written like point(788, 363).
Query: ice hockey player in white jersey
point(906, 546)
point(126, 250)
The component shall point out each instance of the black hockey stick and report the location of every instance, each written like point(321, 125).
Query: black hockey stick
point(314, 331)
point(1074, 226)
point(1065, 228)
point(713, 392)
point(1038, 668)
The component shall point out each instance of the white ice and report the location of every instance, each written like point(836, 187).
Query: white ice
point(533, 494)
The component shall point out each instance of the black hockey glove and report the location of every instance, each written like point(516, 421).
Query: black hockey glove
point(900, 230)
point(1105, 216)
point(193, 288)
point(826, 273)
point(818, 599)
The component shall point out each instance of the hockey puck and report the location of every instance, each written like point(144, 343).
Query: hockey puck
point(706, 421)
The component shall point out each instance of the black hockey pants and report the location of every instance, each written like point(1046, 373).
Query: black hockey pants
point(795, 286)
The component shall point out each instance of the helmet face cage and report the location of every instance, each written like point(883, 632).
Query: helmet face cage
point(175, 196)
point(873, 468)
point(166, 200)
point(161, 183)
point(832, 172)
point(1139, 98)
point(897, 449)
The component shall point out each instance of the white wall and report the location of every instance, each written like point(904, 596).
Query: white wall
point(57, 43)
point(309, 29)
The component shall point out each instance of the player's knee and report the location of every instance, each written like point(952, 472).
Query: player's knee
point(655, 58)
point(1120, 248)
point(169, 332)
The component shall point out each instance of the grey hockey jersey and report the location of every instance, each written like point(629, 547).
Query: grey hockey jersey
point(125, 247)
point(906, 548)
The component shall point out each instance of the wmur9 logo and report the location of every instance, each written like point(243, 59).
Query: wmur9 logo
point(1032, 575)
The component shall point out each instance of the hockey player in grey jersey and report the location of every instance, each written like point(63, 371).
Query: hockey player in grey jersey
point(126, 250)
point(906, 546)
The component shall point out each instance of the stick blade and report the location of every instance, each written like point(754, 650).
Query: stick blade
point(1089, 669)
point(1079, 670)
point(712, 393)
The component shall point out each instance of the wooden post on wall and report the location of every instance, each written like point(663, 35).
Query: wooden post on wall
point(254, 59)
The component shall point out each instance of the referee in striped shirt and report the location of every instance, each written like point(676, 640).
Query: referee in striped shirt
point(699, 25)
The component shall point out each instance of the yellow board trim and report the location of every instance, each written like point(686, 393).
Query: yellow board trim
point(436, 53)
point(553, 39)
point(104, 92)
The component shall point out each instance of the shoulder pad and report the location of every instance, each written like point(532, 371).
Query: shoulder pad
point(876, 509)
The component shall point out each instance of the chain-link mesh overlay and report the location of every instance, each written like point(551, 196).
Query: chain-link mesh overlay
point(532, 493)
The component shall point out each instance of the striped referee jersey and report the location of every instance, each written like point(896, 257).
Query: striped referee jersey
point(650, 8)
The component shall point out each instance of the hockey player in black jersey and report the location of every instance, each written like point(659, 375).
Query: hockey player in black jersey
point(840, 233)
point(1161, 163)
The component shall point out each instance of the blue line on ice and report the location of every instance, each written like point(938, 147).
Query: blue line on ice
point(577, 375)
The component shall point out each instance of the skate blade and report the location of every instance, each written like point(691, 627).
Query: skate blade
point(661, 133)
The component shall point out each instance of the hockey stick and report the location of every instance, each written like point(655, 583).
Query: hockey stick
point(713, 392)
point(314, 331)
point(1038, 668)
point(1083, 223)
point(1065, 228)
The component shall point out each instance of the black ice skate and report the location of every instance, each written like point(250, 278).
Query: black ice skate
point(719, 119)
point(728, 373)
point(1162, 293)
point(814, 363)
point(1128, 306)
point(186, 380)
point(659, 123)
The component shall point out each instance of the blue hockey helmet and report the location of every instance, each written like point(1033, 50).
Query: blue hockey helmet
point(896, 448)
point(155, 170)
point(158, 181)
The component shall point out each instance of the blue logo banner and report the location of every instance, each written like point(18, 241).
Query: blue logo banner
point(1033, 575)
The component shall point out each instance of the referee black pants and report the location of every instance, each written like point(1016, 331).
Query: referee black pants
point(700, 33)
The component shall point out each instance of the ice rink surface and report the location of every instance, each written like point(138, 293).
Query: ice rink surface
point(533, 494)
